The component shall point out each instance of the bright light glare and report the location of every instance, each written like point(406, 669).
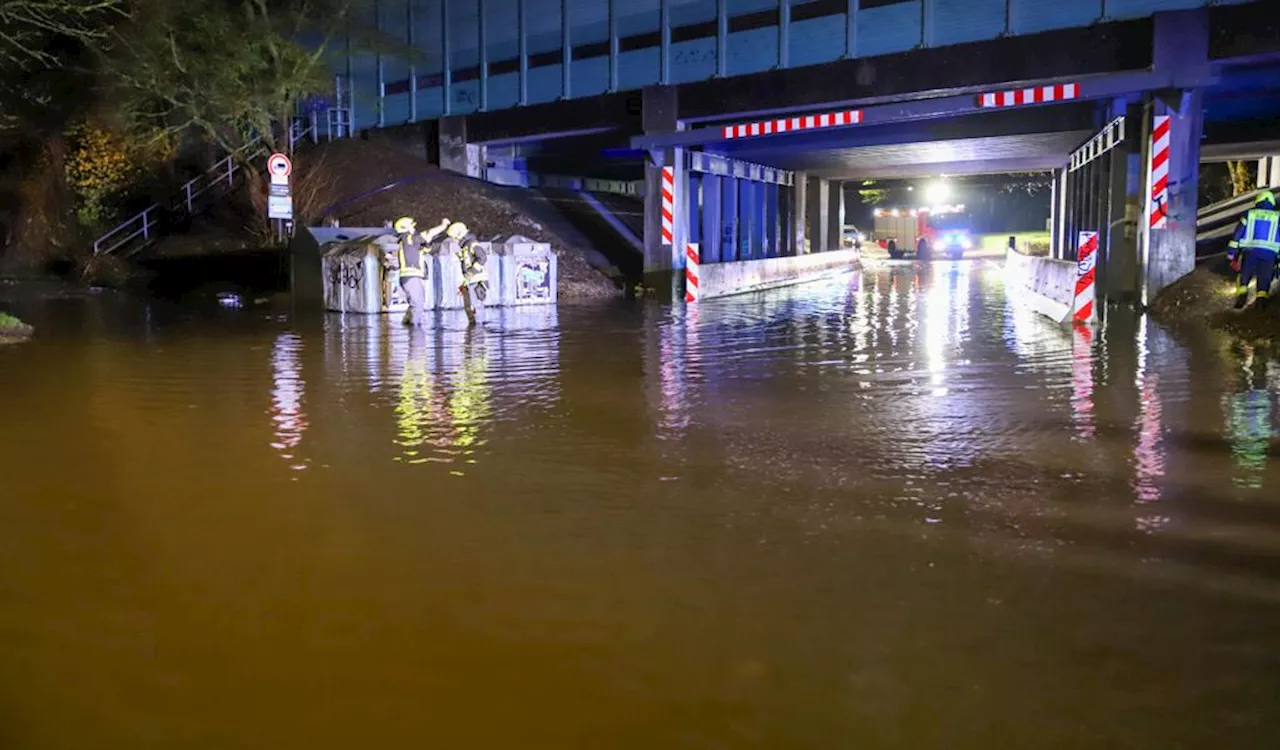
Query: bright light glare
point(937, 193)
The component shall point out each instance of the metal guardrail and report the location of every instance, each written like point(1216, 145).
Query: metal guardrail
point(1218, 220)
point(149, 223)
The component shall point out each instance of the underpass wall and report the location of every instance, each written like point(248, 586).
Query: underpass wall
point(1046, 285)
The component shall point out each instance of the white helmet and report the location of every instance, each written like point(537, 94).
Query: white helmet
point(457, 230)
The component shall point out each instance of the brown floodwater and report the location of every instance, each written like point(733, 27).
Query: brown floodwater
point(889, 510)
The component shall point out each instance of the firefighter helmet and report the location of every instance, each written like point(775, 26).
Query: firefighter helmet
point(457, 230)
point(404, 225)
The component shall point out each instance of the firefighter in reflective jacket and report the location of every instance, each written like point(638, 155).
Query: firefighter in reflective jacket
point(1257, 239)
point(411, 259)
point(472, 257)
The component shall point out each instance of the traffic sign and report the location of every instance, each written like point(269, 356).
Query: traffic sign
point(279, 207)
point(279, 164)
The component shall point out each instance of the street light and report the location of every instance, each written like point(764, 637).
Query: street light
point(937, 193)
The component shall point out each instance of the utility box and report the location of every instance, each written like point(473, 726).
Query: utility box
point(357, 278)
point(449, 276)
point(528, 272)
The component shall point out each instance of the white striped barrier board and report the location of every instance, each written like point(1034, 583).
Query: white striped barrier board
point(1159, 210)
point(1084, 306)
point(692, 261)
point(793, 124)
point(1035, 95)
point(668, 204)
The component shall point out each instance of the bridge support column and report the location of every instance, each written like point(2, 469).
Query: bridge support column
point(819, 214)
point(663, 260)
point(1269, 172)
point(1181, 48)
point(799, 217)
point(455, 153)
point(1171, 248)
point(835, 228)
point(1120, 282)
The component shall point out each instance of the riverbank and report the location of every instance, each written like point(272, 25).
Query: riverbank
point(13, 329)
point(1206, 297)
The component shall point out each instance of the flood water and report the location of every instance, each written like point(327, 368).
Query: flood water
point(889, 510)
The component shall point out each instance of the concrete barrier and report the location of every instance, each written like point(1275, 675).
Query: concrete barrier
point(1046, 285)
point(740, 277)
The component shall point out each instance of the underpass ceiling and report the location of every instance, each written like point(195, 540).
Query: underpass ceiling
point(957, 156)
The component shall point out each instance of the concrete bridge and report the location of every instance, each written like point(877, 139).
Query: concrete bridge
point(756, 111)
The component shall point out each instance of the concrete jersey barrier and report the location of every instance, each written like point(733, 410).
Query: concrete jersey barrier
point(1047, 285)
point(741, 277)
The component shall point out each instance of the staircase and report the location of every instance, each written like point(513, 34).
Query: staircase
point(159, 219)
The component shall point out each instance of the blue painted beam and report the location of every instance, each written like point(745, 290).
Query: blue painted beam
point(413, 69)
point(784, 33)
point(446, 90)
point(851, 30)
point(664, 46)
point(702, 161)
point(522, 33)
point(483, 37)
point(722, 38)
point(566, 52)
point(613, 45)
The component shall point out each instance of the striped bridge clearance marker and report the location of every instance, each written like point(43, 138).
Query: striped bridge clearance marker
point(790, 124)
point(1086, 273)
point(692, 258)
point(668, 204)
point(1160, 133)
point(1034, 95)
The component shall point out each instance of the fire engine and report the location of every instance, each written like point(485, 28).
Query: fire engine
point(919, 232)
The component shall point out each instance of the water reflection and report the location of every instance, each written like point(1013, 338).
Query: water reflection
point(1248, 413)
point(287, 391)
point(1082, 358)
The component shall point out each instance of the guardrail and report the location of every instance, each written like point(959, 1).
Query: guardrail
point(1218, 220)
point(150, 222)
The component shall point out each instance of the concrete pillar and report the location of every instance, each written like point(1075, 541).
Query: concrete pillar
point(1180, 49)
point(694, 207)
point(1268, 172)
point(711, 218)
point(835, 233)
point(759, 233)
point(729, 224)
point(453, 145)
point(746, 219)
point(818, 219)
point(661, 261)
point(799, 213)
point(1120, 280)
point(1171, 251)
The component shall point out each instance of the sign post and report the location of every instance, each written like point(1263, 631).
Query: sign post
point(1084, 310)
point(279, 199)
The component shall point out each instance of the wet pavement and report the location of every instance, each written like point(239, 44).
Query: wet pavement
point(889, 510)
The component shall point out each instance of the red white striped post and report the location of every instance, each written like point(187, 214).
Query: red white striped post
point(790, 124)
point(1035, 95)
point(1084, 308)
point(692, 258)
point(1160, 137)
point(668, 205)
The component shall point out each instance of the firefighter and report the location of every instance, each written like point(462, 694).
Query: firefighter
point(1258, 240)
point(412, 261)
point(472, 257)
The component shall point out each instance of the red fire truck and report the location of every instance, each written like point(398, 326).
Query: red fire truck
point(922, 232)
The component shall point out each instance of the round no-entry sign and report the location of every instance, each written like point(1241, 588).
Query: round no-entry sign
point(278, 165)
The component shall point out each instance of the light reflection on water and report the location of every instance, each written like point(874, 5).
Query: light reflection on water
point(806, 518)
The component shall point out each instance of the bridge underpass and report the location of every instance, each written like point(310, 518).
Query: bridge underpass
point(1124, 149)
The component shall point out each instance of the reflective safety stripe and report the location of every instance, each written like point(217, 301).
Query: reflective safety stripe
point(1262, 230)
point(407, 272)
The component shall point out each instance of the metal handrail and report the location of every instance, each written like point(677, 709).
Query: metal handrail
point(1216, 221)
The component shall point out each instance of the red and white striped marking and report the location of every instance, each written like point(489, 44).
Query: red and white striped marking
point(1086, 273)
point(668, 205)
point(1160, 172)
point(1034, 95)
point(787, 125)
point(692, 258)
